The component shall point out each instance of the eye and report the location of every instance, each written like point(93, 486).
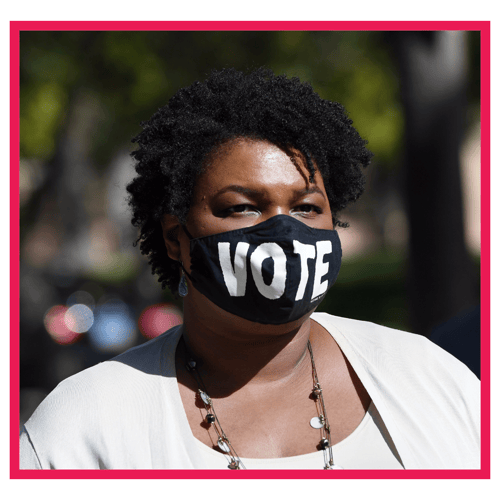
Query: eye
point(307, 210)
point(240, 209)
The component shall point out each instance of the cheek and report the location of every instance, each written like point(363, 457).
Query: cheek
point(329, 221)
point(202, 222)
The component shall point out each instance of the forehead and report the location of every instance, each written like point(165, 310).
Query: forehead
point(257, 164)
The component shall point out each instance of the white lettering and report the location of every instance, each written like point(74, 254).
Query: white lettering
point(323, 248)
point(234, 277)
point(306, 252)
point(269, 251)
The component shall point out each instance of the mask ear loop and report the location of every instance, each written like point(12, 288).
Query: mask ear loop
point(183, 286)
point(185, 229)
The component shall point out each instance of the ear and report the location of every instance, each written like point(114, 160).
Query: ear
point(170, 226)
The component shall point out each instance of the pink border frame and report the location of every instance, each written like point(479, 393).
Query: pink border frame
point(17, 26)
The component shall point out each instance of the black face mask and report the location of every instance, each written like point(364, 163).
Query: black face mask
point(271, 273)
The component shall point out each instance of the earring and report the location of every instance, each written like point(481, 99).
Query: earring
point(183, 287)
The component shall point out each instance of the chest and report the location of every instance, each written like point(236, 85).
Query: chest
point(272, 422)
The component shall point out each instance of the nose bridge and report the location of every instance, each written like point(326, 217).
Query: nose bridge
point(276, 208)
point(281, 210)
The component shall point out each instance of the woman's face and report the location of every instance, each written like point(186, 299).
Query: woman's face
point(247, 182)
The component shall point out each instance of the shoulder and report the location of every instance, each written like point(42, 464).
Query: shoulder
point(87, 406)
point(394, 353)
point(127, 372)
point(146, 362)
point(366, 337)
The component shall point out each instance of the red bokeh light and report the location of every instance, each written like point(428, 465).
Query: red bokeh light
point(159, 318)
point(56, 327)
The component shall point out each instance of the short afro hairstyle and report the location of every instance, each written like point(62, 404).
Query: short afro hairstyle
point(230, 104)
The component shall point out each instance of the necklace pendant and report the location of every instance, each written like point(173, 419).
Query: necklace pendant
point(191, 365)
point(205, 397)
point(316, 393)
point(235, 464)
point(317, 422)
point(222, 444)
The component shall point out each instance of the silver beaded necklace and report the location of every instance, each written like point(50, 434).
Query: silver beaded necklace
point(234, 462)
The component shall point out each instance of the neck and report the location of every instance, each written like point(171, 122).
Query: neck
point(235, 353)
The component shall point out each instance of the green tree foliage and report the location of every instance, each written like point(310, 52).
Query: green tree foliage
point(132, 73)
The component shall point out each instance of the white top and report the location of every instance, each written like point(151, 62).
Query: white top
point(127, 413)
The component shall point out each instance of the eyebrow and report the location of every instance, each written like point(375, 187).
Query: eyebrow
point(253, 192)
point(238, 189)
point(310, 190)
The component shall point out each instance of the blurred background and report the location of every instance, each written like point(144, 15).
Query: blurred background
point(411, 253)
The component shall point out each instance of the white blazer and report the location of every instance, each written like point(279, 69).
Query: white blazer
point(127, 413)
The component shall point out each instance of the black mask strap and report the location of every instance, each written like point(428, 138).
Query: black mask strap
point(185, 229)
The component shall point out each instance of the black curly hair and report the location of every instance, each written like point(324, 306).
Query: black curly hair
point(230, 104)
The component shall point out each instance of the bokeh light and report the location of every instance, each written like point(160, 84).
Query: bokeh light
point(113, 329)
point(159, 318)
point(55, 324)
point(79, 318)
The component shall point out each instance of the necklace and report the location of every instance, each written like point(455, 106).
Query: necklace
point(234, 462)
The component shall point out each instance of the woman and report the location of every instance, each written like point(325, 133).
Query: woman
point(240, 182)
